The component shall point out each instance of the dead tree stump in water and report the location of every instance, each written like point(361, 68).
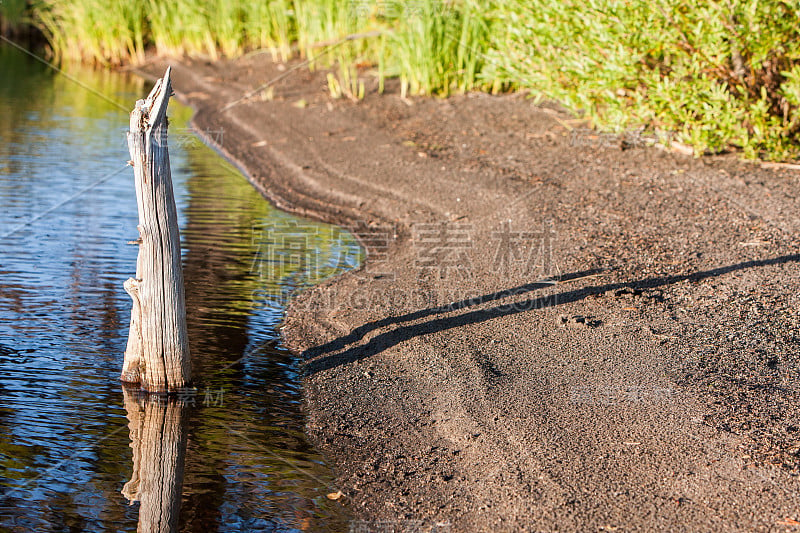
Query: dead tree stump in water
point(157, 355)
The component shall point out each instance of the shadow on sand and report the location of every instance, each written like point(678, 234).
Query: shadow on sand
point(327, 356)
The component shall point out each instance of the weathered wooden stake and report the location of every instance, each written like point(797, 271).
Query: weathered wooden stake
point(157, 355)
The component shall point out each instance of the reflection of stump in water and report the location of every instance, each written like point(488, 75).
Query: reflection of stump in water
point(158, 438)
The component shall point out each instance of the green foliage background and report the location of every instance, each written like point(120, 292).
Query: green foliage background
point(716, 75)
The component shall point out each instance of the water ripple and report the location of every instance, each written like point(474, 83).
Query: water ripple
point(65, 432)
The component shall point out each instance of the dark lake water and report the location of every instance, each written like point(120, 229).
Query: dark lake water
point(70, 439)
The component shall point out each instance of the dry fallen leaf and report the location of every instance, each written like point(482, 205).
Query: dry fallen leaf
point(335, 495)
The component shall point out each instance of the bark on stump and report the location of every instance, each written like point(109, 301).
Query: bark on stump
point(157, 355)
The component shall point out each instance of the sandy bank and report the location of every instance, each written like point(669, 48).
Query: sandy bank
point(652, 386)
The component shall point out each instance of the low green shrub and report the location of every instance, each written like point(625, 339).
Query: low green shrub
point(712, 74)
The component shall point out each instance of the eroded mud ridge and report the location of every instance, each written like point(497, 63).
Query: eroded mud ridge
point(552, 331)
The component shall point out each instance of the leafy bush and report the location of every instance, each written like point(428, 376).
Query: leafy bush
point(714, 74)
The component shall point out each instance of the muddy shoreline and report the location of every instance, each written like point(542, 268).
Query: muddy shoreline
point(554, 330)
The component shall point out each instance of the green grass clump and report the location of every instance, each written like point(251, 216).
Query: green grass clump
point(716, 74)
point(438, 46)
point(329, 21)
point(270, 25)
point(712, 74)
point(110, 31)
